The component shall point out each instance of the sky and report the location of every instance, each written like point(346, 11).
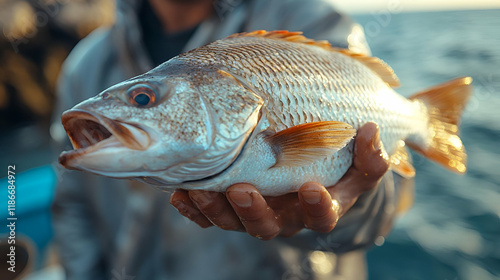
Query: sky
point(364, 6)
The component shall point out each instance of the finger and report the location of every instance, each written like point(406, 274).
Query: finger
point(181, 201)
point(370, 158)
point(258, 218)
point(321, 212)
point(370, 163)
point(217, 209)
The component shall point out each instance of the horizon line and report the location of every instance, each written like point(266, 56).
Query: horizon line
point(396, 6)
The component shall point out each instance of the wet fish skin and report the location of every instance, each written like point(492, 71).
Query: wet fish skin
point(273, 109)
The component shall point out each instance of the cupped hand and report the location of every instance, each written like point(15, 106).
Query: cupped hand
point(243, 208)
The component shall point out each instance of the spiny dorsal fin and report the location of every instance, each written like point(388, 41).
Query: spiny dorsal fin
point(375, 64)
point(401, 161)
point(296, 37)
point(303, 144)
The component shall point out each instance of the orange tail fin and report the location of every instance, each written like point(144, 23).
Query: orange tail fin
point(445, 103)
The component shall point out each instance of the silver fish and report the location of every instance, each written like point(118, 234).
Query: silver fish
point(273, 109)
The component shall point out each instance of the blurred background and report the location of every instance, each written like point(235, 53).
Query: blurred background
point(452, 231)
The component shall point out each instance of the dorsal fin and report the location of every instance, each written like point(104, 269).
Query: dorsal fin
point(285, 35)
point(375, 64)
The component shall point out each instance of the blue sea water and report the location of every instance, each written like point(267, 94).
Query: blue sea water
point(453, 229)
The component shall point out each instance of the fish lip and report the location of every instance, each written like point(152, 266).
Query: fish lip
point(89, 131)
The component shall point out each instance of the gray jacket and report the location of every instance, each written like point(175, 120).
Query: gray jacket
point(114, 229)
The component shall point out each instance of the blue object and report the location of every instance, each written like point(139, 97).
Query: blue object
point(34, 191)
point(34, 194)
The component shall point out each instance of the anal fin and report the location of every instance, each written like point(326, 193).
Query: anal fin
point(401, 161)
point(303, 144)
point(406, 189)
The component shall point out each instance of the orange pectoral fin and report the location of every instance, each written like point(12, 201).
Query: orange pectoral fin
point(303, 144)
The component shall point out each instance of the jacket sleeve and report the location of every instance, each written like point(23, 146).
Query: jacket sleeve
point(75, 230)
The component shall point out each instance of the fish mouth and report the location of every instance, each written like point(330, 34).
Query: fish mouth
point(90, 132)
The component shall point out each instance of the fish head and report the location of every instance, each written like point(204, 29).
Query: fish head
point(159, 127)
point(141, 125)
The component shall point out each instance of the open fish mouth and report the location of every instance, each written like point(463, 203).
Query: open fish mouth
point(90, 132)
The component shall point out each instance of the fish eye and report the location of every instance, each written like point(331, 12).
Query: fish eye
point(141, 95)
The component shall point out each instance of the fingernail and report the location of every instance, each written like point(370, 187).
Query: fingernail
point(242, 199)
point(312, 197)
point(202, 199)
point(376, 141)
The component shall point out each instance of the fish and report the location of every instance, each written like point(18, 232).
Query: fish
point(270, 108)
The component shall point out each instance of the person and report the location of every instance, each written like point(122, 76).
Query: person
point(114, 229)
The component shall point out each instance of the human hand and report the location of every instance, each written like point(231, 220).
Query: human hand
point(243, 208)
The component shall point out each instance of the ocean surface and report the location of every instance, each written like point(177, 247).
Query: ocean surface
point(453, 230)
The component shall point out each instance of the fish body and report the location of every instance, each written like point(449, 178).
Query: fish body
point(273, 109)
